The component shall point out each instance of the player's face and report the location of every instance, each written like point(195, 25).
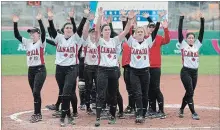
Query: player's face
point(190, 39)
point(35, 36)
point(139, 33)
point(150, 29)
point(68, 30)
point(92, 36)
point(106, 31)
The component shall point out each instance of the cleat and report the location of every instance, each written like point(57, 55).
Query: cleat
point(57, 114)
point(89, 111)
point(62, 122)
point(71, 120)
point(97, 123)
point(195, 116)
point(51, 107)
point(35, 118)
point(82, 107)
point(139, 120)
point(112, 120)
point(75, 115)
point(181, 113)
point(121, 115)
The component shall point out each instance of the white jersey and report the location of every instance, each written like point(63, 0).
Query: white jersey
point(67, 50)
point(140, 52)
point(91, 53)
point(107, 52)
point(190, 55)
point(35, 52)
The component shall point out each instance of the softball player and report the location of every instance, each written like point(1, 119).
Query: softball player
point(139, 69)
point(155, 64)
point(35, 61)
point(107, 76)
point(67, 62)
point(190, 60)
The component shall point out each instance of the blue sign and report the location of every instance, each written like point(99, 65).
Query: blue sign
point(116, 15)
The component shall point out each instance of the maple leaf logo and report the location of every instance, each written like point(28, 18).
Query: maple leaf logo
point(109, 56)
point(138, 57)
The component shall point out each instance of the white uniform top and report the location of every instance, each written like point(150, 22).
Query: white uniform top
point(140, 52)
point(91, 53)
point(190, 55)
point(35, 52)
point(107, 52)
point(67, 50)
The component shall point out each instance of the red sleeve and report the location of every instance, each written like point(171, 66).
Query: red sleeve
point(166, 38)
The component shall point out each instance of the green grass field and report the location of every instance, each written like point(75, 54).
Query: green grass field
point(16, 65)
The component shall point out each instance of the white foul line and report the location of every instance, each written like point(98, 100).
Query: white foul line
point(15, 118)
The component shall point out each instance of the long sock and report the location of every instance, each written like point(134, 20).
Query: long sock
point(161, 106)
point(191, 107)
point(139, 106)
point(120, 103)
point(65, 107)
point(184, 103)
point(74, 103)
point(98, 112)
point(113, 110)
point(59, 100)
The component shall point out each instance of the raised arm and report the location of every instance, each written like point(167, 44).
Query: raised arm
point(17, 35)
point(109, 21)
point(131, 16)
point(98, 23)
point(51, 42)
point(166, 38)
point(180, 27)
point(42, 29)
point(71, 14)
point(147, 16)
point(50, 19)
point(83, 21)
point(201, 31)
point(86, 26)
point(154, 33)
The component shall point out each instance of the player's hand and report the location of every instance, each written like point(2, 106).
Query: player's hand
point(15, 18)
point(86, 11)
point(50, 14)
point(145, 15)
point(165, 23)
point(91, 16)
point(109, 20)
point(123, 12)
point(39, 16)
point(131, 14)
point(100, 11)
point(71, 13)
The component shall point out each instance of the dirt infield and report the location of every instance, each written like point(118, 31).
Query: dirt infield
point(17, 97)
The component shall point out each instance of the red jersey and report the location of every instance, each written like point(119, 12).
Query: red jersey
point(155, 54)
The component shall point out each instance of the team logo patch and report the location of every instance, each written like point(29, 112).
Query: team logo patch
point(193, 59)
point(30, 58)
point(138, 57)
point(93, 56)
point(109, 56)
point(65, 55)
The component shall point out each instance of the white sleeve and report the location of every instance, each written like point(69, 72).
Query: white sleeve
point(58, 38)
point(198, 44)
point(77, 39)
point(116, 41)
point(149, 41)
point(183, 44)
point(25, 41)
point(130, 40)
